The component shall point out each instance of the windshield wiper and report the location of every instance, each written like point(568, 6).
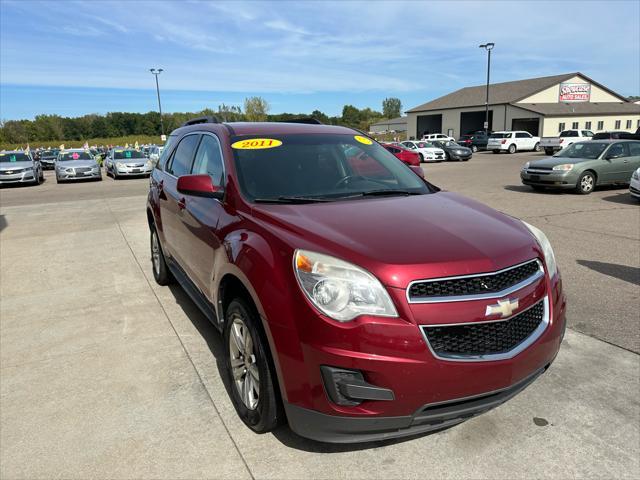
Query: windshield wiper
point(380, 193)
point(292, 200)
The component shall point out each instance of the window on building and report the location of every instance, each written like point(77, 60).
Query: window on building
point(617, 124)
point(561, 126)
point(600, 125)
point(574, 125)
point(629, 123)
point(587, 125)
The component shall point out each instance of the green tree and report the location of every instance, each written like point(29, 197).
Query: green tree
point(256, 109)
point(391, 107)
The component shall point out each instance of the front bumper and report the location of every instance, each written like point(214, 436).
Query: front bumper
point(551, 180)
point(47, 164)
point(79, 176)
point(460, 156)
point(429, 418)
point(429, 393)
point(22, 177)
point(133, 171)
point(634, 188)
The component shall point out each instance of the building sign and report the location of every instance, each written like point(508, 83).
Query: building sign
point(575, 92)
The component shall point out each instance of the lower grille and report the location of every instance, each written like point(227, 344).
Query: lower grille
point(485, 338)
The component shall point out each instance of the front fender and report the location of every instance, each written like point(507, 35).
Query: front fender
point(265, 270)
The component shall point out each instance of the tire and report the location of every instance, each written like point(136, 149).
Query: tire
point(536, 148)
point(114, 174)
point(161, 272)
point(58, 180)
point(548, 151)
point(474, 149)
point(584, 185)
point(512, 148)
point(496, 151)
point(421, 158)
point(250, 371)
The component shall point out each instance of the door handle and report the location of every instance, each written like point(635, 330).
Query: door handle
point(182, 203)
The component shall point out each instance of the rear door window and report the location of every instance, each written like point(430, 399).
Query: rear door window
point(180, 163)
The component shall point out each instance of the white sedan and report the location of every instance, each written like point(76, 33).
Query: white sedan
point(634, 186)
point(426, 150)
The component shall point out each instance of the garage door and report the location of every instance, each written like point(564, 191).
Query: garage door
point(474, 121)
point(429, 124)
point(531, 125)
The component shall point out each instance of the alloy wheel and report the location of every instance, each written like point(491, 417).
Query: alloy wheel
point(586, 183)
point(244, 369)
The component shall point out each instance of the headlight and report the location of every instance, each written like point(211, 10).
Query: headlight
point(543, 241)
point(119, 164)
point(526, 165)
point(636, 175)
point(28, 169)
point(340, 289)
point(149, 164)
point(565, 167)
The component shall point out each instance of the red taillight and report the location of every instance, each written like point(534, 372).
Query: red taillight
point(503, 141)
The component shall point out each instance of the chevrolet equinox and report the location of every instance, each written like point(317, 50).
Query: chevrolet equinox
point(356, 300)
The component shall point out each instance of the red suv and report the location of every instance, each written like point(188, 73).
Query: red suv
point(358, 308)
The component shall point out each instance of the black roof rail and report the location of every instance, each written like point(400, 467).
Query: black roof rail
point(305, 120)
point(196, 121)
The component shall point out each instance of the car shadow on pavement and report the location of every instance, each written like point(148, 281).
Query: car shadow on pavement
point(3, 222)
point(621, 272)
point(622, 198)
point(283, 434)
point(527, 189)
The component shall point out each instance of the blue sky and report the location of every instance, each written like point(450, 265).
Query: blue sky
point(78, 57)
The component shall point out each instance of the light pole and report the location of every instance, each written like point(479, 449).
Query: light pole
point(488, 47)
point(156, 73)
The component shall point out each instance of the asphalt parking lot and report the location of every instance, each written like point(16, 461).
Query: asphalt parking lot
point(106, 374)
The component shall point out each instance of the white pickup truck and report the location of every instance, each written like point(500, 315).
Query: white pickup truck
point(566, 138)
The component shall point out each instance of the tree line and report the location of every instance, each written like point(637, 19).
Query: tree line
point(120, 124)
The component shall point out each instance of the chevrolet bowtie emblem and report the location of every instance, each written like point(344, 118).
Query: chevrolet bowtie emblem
point(504, 308)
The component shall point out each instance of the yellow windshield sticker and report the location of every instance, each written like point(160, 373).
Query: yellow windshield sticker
point(256, 143)
point(362, 139)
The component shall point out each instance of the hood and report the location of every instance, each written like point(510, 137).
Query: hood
point(460, 149)
point(550, 162)
point(15, 165)
point(77, 164)
point(401, 239)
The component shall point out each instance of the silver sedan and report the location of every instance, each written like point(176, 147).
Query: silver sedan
point(123, 162)
point(76, 164)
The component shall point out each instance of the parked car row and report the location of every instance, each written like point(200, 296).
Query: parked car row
point(73, 164)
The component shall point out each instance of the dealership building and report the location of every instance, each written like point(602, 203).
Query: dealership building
point(542, 106)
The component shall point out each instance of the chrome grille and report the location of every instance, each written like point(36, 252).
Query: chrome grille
point(484, 285)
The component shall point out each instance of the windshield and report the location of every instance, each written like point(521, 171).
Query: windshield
point(49, 153)
point(68, 156)
point(127, 154)
point(14, 157)
point(569, 133)
point(500, 135)
point(320, 168)
point(424, 145)
point(590, 150)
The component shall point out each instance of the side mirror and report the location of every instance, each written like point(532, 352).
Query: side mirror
point(417, 170)
point(199, 186)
